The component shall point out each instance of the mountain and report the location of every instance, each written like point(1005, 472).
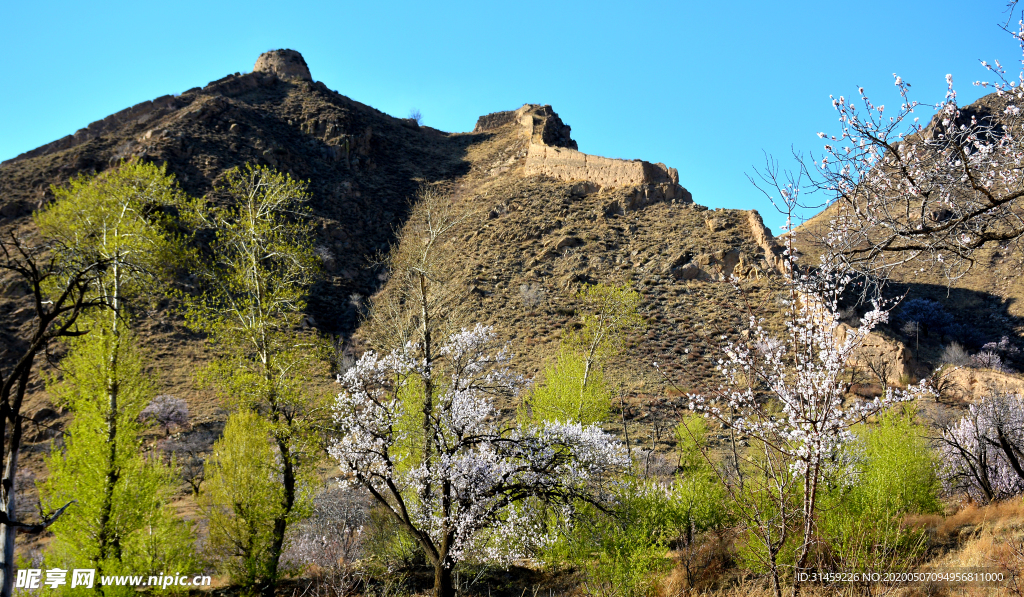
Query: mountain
point(553, 218)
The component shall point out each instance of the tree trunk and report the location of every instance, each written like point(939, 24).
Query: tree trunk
point(773, 555)
point(280, 523)
point(1008, 450)
point(428, 385)
point(109, 542)
point(810, 497)
point(8, 532)
point(443, 586)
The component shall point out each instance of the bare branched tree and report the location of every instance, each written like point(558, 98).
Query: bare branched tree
point(190, 451)
point(420, 304)
point(59, 289)
point(881, 367)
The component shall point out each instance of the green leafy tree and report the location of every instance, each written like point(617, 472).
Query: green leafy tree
point(574, 386)
point(622, 550)
point(261, 266)
point(244, 497)
point(122, 526)
point(118, 218)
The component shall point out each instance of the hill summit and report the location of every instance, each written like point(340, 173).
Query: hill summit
point(286, 64)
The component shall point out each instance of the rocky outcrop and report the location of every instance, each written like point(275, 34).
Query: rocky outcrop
point(878, 353)
point(974, 384)
point(763, 237)
point(286, 64)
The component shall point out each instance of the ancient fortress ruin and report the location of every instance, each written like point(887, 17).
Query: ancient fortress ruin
point(552, 152)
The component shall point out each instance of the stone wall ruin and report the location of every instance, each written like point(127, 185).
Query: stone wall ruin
point(552, 152)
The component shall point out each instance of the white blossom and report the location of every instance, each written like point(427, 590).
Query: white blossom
point(476, 492)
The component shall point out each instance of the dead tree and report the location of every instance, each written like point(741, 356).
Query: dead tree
point(58, 289)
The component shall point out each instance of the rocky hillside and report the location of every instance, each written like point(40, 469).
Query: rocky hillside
point(985, 305)
point(552, 218)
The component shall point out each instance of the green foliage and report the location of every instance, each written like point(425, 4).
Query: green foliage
point(574, 387)
point(389, 545)
point(900, 468)
point(886, 473)
point(624, 552)
point(610, 313)
point(562, 396)
point(121, 523)
point(243, 497)
point(261, 262)
point(121, 216)
point(257, 275)
point(768, 504)
point(691, 440)
point(408, 450)
point(894, 474)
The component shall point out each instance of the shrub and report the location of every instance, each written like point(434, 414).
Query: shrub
point(532, 295)
point(955, 355)
point(888, 472)
point(389, 545)
point(624, 552)
point(563, 396)
point(931, 315)
point(166, 411)
point(986, 360)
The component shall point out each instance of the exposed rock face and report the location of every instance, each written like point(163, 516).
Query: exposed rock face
point(876, 346)
point(763, 237)
point(976, 384)
point(286, 64)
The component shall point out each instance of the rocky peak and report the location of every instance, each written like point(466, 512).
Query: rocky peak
point(286, 64)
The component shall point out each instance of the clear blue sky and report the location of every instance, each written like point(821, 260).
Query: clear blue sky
point(705, 87)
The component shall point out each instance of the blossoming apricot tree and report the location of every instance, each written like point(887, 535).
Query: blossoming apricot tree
point(787, 394)
point(472, 492)
point(937, 193)
point(983, 451)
